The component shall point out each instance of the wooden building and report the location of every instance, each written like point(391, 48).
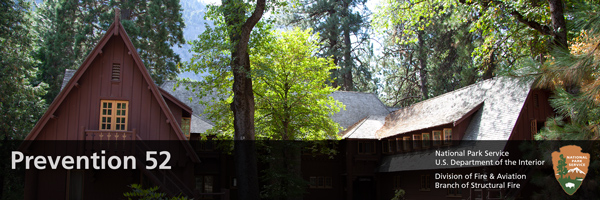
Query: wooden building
point(111, 100)
point(382, 150)
point(385, 149)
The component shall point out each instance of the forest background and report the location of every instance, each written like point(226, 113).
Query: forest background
point(405, 51)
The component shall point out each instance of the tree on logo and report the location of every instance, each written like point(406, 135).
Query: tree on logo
point(562, 166)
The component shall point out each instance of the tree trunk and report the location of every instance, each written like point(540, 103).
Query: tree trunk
point(559, 24)
point(489, 72)
point(243, 96)
point(347, 68)
point(422, 65)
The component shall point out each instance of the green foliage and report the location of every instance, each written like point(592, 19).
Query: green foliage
point(291, 95)
point(427, 47)
point(68, 30)
point(574, 76)
point(148, 194)
point(562, 166)
point(20, 102)
point(399, 194)
point(292, 101)
point(343, 26)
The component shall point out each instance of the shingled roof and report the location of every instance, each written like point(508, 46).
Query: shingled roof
point(359, 106)
point(503, 99)
point(184, 95)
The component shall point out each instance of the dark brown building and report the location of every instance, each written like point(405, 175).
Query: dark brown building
point(111, 98)
point(110, 101)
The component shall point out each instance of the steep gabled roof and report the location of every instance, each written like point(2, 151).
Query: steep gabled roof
point(116, 29)
point(359, 106)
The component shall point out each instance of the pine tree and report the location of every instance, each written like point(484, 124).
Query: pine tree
point(68, 31)
point(20, 101)
point(337, 21)
point(579, 110)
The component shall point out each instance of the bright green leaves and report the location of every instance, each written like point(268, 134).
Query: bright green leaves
point(289, 81)
point(290, 89)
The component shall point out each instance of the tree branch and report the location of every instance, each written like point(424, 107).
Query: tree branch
point(543, 29)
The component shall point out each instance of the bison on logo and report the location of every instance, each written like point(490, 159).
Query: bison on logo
point(570, 167)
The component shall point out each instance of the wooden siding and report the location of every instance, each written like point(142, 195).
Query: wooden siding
point(81, 107)
point(532, 110)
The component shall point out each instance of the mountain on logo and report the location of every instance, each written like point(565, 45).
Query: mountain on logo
point(575, 170)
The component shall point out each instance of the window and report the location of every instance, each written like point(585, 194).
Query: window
point(397, 182)
point(447, 136)
point(366, 147)
point(321, 182)
point(437, 138)
point(75, 184)
point(113, 115)
point(425, 183)
point(398, 144)
point(185, 126)
point(425, 140)
point(416, 141)
point(387, 146)
point(455, 192)
point(204, 184)
point(534, 128)
point(406, 143)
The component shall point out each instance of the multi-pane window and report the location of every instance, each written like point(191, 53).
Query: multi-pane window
point(366, 147)
point(321, 182)
point(425, 183)
point(447, 136)
point(425, 139)
point(437, 138)
point(205, 183)
point(397, 181)
point(416, 141)
point(185, 126)
point(406, 143)
point(113, 115)
point(455, 192)
point(398, 144)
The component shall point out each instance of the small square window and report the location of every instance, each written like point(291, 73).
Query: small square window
point(120, 115)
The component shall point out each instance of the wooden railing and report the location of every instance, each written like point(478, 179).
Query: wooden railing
point(118, 142)
point(108, 135)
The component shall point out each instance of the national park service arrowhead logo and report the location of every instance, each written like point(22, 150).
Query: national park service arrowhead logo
point(570, 167)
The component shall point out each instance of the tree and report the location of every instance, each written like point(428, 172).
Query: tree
point(20, 101)
point(562, 166)
point(578, 67)
point(223, 52)
point(291, 96)
point(292, 104)
point(427, 49)
point(68, 30)
point(337, 21)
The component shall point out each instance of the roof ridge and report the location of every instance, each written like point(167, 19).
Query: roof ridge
point(448, 93)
